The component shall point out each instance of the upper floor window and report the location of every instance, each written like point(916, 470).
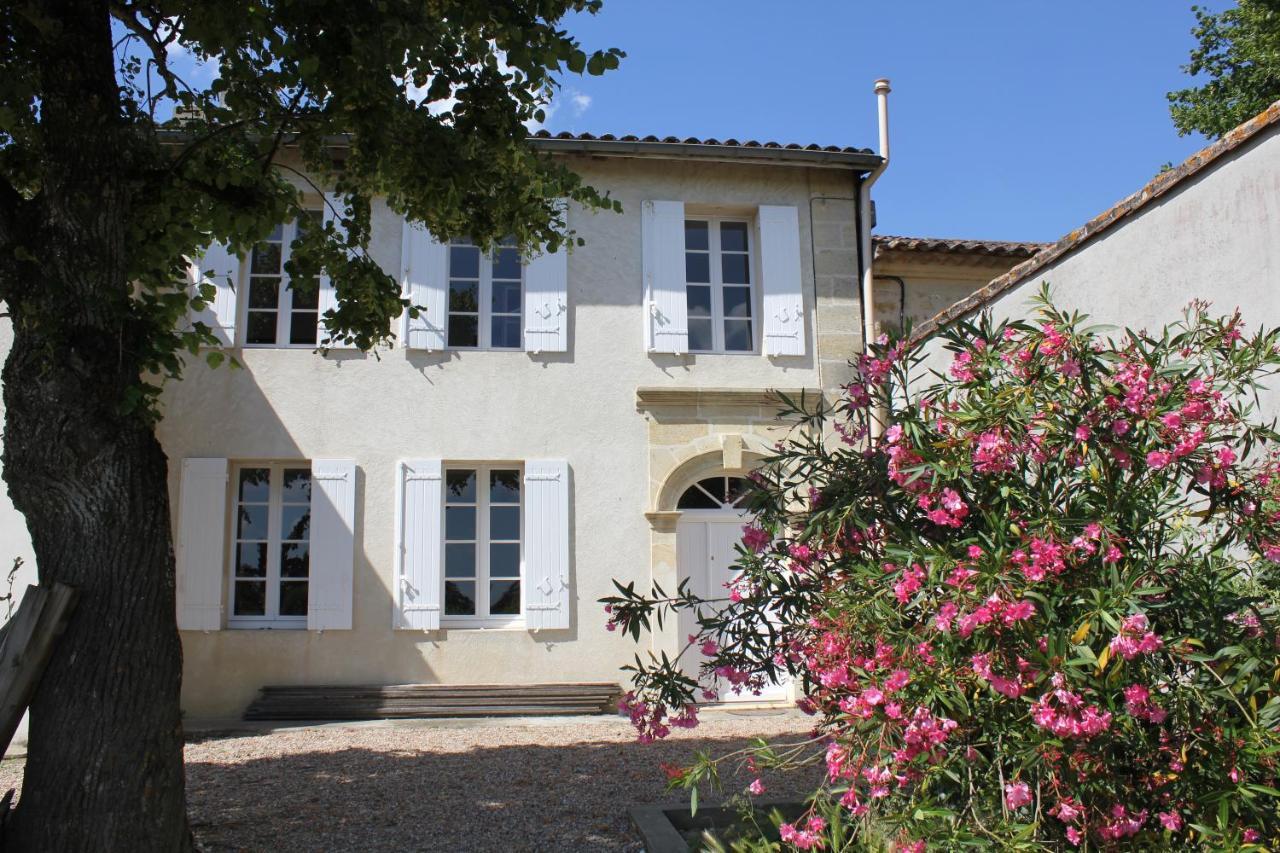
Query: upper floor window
point(271, 546)
point(486, 296)
point(482, 544)
point(717, 261)
point(277, 314)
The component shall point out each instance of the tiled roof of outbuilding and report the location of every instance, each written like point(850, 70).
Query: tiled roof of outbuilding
point(955, 246)
point(860, 160)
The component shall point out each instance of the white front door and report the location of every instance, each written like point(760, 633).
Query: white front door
point(707, 555)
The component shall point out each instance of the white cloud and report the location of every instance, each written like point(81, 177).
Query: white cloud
point(581, 103)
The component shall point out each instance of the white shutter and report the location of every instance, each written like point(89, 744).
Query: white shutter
point(424, 273)
point(546, 302)
point(202, 521)
point(334, 205)
point(333, 540)
point(666, 310)
point(222, 269)
point(778, 229)
point(546, 543)
point(419, 545)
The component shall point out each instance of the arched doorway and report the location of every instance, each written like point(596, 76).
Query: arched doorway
point(707, 534)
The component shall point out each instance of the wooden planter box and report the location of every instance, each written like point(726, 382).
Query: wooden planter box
point(671, 829)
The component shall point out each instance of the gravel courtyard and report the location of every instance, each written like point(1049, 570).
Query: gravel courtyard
point(550, 784)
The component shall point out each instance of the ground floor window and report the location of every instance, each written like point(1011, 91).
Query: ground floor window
point(482, 547)
point(271, 545)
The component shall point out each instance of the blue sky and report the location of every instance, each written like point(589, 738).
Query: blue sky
point(1010, 119)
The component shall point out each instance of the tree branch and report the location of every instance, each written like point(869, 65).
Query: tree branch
point(125, 14)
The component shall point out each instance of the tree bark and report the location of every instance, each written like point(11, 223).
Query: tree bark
point(104, 762)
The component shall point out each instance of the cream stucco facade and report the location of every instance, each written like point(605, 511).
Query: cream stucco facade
point(636, 428)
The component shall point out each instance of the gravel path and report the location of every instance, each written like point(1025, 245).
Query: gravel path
point(560, 784)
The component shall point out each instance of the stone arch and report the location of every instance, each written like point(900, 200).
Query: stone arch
point(706, 457)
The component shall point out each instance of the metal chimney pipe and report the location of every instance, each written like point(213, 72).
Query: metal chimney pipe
point(869, 327)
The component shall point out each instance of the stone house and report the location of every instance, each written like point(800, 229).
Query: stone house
point(452, 510)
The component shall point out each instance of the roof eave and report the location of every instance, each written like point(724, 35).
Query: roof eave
point(848, 160)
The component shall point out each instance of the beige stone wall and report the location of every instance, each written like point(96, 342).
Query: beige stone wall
point(933, 282)
point(836, 278)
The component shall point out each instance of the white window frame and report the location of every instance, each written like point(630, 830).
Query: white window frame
point(271, 617)
point(481, 618)
point(284, 295)
point(484, 306)
point(718, 285)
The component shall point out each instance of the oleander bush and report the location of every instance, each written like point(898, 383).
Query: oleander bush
point(1033, 608)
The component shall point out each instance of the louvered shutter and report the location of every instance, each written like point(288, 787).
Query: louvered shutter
point(222, 269)
point(666, 311)
point(419, 545)
point(546, 545)
point(333, 539)
point(335, 205)
point(202, 521)
point(778, 230)
point(546, 302)
point(424, 273)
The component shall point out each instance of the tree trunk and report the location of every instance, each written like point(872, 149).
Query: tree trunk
point(104, 762)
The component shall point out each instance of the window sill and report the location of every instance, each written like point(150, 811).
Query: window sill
point(267, 626)
point(473, 625)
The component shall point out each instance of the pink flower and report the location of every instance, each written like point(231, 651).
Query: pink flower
point(756, 787)
point(1018, 611)
point(1170, 820)
point(1251, 836)
point(709, 648)
point(1158, 459)
point(1120, 427)
point(1016, 795)
point(1083, 433)
point(755, 538)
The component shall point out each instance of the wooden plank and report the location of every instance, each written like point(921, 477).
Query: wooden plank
point(28, 644)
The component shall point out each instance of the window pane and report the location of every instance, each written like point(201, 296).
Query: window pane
point(460, 522)
point(506, 263)
point(737, 335)
point(460, 560)
point(734, 269)
point(504, 522)
point(464, 296)
point(504, 560)
point(293, 598)
point(737, 489)
point(295, 522)
point(464, 331)
point(306, 296)
point(266, 259)
point(464, 262)
point(696, 234)
point(697, 266)
point(262, 327)
point(698, 301)
point(715, 486)
point(700, 335)
point(461, 486)
point(255, 484)
point(504, 598)
point(251, 598)
point(295, 560)
point(459, 598)
point(505, 332)
point(695, 498)
point(506, 297)
point(733, 236)
point(297, 485)
point(251, 559)
point(252, 522)
point(737, 302)
point(302, 327)
point(264, 293)
point(504, 487)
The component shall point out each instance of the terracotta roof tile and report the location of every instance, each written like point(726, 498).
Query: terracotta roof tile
point(693, 140)
point(885, 243)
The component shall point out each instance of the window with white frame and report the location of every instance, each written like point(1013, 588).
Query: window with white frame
point(276, 314)
point(720, 298)
point(482, 544)
point(271, 545)
point(486, 296)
